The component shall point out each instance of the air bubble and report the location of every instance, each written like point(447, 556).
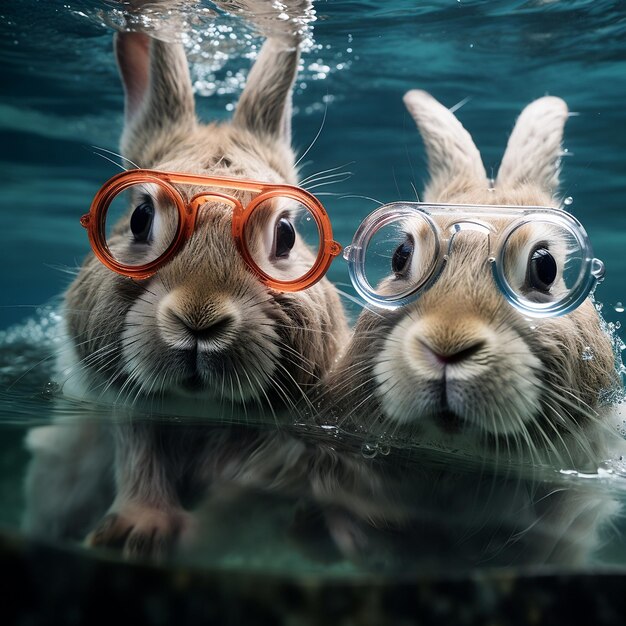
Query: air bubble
point(369, 450)
point(567, 201)
point(619, 307)
point(597, 269)
point(50, 390)
point(587, 354)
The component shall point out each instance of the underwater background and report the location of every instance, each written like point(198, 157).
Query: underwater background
point(61, 111)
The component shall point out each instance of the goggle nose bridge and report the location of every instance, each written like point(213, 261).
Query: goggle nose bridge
point(204, 197)
point(452, 230)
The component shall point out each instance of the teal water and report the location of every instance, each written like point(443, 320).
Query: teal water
point(61, 97)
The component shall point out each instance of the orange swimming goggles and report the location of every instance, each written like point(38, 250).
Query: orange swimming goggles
point(140, 219)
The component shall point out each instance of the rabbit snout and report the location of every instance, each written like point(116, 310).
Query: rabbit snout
point(187, 322)
point(435, 345)
point(456, 364)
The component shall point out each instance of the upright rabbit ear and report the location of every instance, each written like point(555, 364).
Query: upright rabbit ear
point(534, 149)
point(453, 159)
point(159, 103)
point(265, 104)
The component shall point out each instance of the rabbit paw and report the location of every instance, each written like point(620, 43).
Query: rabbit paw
point(141, 531)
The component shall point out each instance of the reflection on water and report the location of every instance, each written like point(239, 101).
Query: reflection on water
point(281, 500)
point(303, 499)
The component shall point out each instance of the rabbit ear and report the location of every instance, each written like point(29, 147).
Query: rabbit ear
point(265, 104)
point(452, 155)
point(158, 92)
point(534, 149)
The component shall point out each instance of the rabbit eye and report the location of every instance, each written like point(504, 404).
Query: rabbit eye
point(542, 269)
point(141, 221)
point(402, 255)
point(284, 238)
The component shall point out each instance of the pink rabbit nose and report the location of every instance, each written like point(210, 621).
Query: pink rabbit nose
point(450, 357)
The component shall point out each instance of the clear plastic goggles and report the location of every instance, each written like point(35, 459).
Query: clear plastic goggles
point(541, 257)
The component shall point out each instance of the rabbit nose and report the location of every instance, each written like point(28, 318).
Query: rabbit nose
point(206, 331)
point(202, 328)
point(455, 354)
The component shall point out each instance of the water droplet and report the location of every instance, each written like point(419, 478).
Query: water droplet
point(587, 354)
point(567, 201)
point(384, 450)
point(619, 307)
point(50, 390)
point(346, 252)
point(599, 306)
point(597, 269)
point(492, 259)
point(618, 325)
point(532, 327)
point(369, 450)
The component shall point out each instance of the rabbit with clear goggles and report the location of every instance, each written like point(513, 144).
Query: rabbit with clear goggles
point(478, 324)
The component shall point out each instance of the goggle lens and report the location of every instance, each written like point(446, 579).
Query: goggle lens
point(399, 256)
point(544, 264)
point(283, 238)
point(140, 224)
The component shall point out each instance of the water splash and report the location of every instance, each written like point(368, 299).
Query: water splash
point(587, 354)
point(222, 37)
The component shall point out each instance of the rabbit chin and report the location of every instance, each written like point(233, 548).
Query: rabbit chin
point(162, 358)
point(493, 392)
